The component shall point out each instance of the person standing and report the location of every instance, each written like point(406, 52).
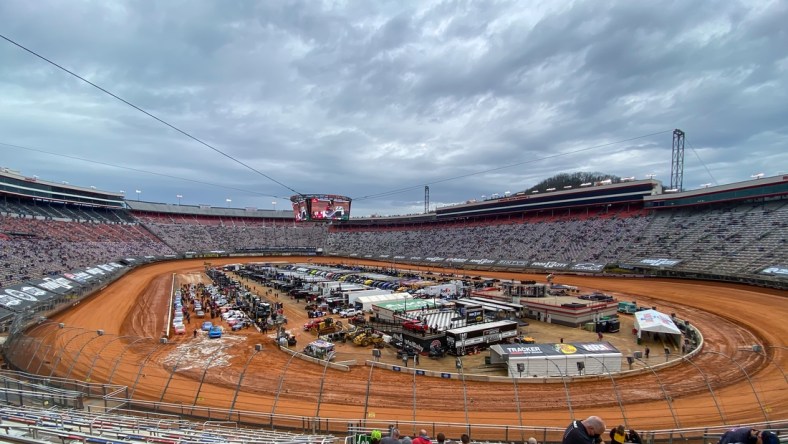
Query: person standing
point(618, 435)
point(423, 438)
point(391, 439)
point(747, 435)
point(647, 351)
point(587, 431)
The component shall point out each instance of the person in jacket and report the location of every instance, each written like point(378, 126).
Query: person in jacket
point(587, 431)
point(618, 435)
point(423, 438)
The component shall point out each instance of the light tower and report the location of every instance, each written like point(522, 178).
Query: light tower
point(677, 162)
point(426, 199)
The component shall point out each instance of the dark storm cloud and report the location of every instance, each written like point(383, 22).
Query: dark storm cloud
point(360, 98)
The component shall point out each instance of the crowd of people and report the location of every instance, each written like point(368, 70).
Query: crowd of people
point(32, 248)
point(591, 430)
point(231, 236)
point(740, 239)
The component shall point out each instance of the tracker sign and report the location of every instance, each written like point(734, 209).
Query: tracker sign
point(562, 349)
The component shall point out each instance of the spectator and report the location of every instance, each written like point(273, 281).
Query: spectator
point(587, 431)
point(423, 438)
point(391, 439)
point(375, 436)
point(465, 439)
point(618, 435)
point(532, 440)
point(440, 437)
point(747, 435)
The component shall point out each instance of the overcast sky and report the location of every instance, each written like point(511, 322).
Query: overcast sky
point(362, 98)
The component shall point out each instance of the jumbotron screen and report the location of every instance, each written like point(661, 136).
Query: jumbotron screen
point(315, 207)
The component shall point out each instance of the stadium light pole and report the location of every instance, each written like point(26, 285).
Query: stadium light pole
point(179, 196)
point(274, 204)
point(229, 201)
point(138, 194)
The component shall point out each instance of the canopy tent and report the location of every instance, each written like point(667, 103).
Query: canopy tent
point(655, 322)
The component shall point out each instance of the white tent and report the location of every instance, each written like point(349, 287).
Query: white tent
point(367, 301)
point(655, 322)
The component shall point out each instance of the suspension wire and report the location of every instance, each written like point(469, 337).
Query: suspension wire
point(138, 170)
point(701, 161)
point(162, 121)
point(552, 156)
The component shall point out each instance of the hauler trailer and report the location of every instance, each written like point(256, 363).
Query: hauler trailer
point(463, 340)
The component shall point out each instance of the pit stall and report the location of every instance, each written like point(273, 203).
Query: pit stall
point(557, 360)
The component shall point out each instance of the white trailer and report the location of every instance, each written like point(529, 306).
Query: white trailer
point(557, 360)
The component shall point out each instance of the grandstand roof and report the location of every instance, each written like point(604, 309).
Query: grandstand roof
point(206, 210)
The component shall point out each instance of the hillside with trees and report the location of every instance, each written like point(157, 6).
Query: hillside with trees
point(574, 180)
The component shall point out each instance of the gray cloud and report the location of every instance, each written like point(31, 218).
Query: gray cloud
point(362, 98)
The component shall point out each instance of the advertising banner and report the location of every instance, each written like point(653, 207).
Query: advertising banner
point(56, 284)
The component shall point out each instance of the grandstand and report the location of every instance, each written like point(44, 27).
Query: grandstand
point(58, 232)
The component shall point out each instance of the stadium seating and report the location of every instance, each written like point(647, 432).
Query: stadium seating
point(72, 425)
point(738, 239)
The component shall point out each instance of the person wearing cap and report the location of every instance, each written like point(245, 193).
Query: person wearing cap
point(587, 431)
point(392, 439)
point(423, 438)
point(747, 435)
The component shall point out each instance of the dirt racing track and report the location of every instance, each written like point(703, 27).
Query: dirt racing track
point(727, 383)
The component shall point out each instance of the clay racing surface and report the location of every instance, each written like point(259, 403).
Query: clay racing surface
point(711, 390)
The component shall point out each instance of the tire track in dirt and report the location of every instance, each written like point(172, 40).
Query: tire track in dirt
point(730, 317)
